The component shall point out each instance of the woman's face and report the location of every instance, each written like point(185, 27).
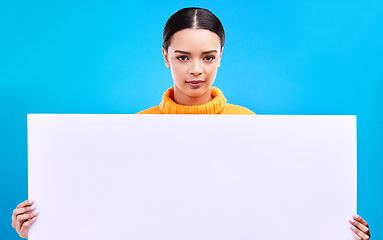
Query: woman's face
point(193, 57)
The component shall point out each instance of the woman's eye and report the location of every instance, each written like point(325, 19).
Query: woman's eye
point(209, 58)
point(182, 58)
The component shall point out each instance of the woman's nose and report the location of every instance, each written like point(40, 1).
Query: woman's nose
point(196, 67)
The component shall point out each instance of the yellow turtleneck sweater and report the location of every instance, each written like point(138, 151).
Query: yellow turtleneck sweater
point(218, 105)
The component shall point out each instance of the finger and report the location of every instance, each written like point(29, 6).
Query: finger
point(21, 219)
point(360, 219)
point(357, 237)
point(25, 203)
point(359, 233)
point(359, 225)
point(24, 229)
point(24, 217)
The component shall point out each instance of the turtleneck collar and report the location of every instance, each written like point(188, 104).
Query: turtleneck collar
point(215, 106)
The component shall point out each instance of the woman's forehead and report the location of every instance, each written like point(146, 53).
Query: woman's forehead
point(195, 40)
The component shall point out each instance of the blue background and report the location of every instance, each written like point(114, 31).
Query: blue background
point(280, 57)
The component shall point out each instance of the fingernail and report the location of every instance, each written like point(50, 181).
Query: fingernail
point(31, 201)
point(352, 227)
point(352, 220)
point(356, 216)
point(35, 212)
point(33, 207)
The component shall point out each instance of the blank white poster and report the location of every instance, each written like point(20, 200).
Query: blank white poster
point(192, 177)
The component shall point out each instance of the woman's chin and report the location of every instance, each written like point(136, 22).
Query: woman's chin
point(197, 92)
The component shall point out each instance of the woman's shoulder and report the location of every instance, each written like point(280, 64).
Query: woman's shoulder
point(236, 109)
point(152, 110)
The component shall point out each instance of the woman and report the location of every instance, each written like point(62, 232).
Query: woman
point(193, 42)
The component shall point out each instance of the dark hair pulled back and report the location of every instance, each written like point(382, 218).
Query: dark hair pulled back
point(195, 18)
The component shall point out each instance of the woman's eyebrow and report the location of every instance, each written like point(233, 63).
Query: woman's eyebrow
point(211, 51)
point(183, 52)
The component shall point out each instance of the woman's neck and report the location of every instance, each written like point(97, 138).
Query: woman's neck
point(183, 99)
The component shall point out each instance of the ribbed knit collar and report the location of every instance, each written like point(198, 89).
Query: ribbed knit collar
point(214, 106)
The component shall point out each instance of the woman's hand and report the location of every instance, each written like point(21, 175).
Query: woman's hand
point(360, 228)
point(23, 217)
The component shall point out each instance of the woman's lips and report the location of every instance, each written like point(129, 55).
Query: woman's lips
point(195, 84)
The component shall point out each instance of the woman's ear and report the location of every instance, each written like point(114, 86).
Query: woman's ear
point(220, 57)
point(165, 53)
